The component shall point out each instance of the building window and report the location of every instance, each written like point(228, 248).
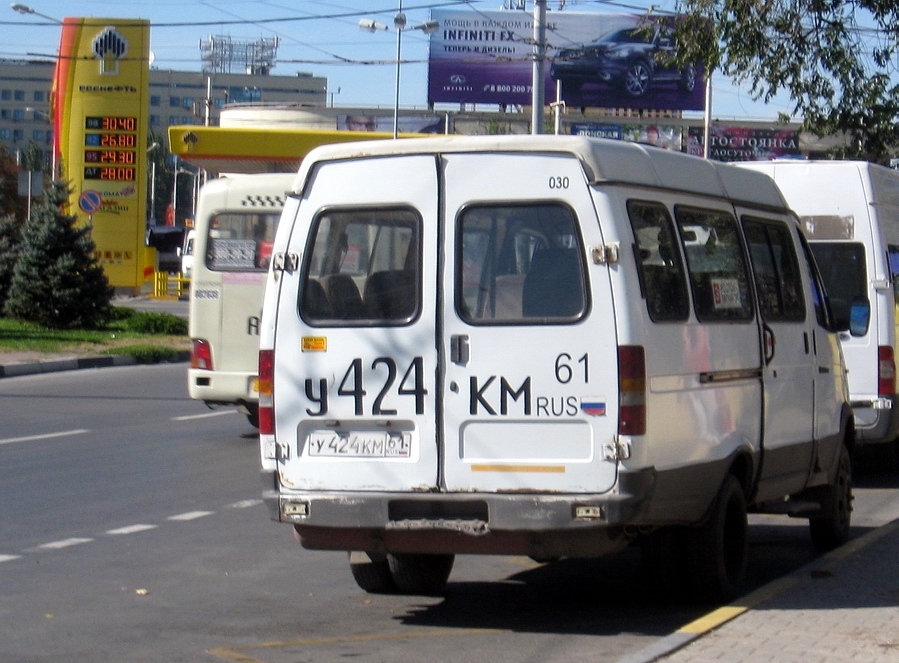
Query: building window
point(37, 135)
point(155, 100)
point(18, 114)
point(154, 120)
point(5, 134)
point(6, 95)
point(18, 135)
point(5, 114)
point(39, 95)
point(19, 95)
point(187, 102)
point(174, 102)
point(173, 120)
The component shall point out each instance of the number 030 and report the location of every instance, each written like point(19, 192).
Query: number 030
point(558, 182)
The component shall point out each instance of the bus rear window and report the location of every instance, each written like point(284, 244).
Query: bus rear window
point(240, 241)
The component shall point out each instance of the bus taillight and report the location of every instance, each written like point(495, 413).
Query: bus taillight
point(631, 390)
point(886, 371)
point(266, 392)
point(201, 354)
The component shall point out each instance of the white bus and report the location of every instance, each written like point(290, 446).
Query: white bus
point(235, 228)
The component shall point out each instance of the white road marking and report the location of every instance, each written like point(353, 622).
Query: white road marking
point(131, 529)
point(45, 436)
point(64, 543)
point(188, 417)
point(244, 504)
point(9, 558)
point(191, 515)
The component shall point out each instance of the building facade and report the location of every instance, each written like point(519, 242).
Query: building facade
point(176, 98)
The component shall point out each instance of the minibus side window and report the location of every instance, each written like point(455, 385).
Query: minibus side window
point(715, 263)
point(519, 264)
point(659, 263)
point(240, 241)
point(362, 267)
point(777, 279)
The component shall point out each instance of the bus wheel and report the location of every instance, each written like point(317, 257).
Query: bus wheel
point(831, 530)
point(372, 572)
point(420, 573)
point(253, 415)
point(718, 550)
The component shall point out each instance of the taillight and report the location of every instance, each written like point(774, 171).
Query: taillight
point(266, 392)
point(201, 354)
point(886, 371)
point(631, 390)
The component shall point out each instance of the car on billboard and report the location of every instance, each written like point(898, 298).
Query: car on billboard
point(633, 58)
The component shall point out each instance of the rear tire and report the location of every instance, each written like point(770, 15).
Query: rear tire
point(832, 529)
point(253, 415)
point(420, 573)
point(718, 550)
point(372, 573)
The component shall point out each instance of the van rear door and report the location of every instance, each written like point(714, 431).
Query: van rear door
point(530, 384)
point(355, 395)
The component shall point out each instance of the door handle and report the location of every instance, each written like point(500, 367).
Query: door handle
point(459, 349)
point(768, 342)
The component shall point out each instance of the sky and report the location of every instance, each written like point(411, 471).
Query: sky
point(318, 37)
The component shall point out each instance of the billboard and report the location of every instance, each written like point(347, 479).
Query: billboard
point(100, 113)
point(745, 143)
point(598, 60)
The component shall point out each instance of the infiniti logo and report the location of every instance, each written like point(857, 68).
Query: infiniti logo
point(457, 79)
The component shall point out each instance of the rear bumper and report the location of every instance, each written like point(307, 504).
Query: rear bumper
point(876, 420)
point(544, 525)
point(221, 386)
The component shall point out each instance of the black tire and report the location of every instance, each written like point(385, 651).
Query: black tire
point(688, 78)
point(718, 550)
point(420, 573)
point(831, 530)
point(253, 415)
point(372, 573)
point(637, 78)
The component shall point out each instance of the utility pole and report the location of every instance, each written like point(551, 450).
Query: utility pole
point(538, 87)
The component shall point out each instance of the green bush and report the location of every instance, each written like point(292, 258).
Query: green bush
point(143, 322)
point(149, 354)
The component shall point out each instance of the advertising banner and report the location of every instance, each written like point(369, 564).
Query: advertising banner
point(745, 144)
point(599, 60)
point(666, 136)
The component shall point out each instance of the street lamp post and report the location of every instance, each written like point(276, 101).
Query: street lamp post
point(399, 25)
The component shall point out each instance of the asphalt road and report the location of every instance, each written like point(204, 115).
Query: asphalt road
point(131, 530)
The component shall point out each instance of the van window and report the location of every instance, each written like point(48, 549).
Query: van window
point(239, 241)
point(844, 271)
point(363, 268)
point(715, 264)
point(777, 278)
point(659, 264)
point(519, 264)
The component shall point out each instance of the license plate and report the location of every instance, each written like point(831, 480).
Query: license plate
point(359, 444)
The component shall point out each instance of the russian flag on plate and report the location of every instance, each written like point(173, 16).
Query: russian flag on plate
point(595, 406)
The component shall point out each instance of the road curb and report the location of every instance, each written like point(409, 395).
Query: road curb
point(720, 616)
point(57, 365)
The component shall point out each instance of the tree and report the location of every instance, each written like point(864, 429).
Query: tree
point(835, 58)
point(10, 233)
point(56, 281)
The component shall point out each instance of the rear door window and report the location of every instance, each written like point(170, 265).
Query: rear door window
point(363, 268)
point(519, 264)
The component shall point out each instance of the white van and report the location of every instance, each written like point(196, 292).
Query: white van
point(850, 213)
point(187, 253)
point(233, 238)
point(545, 346)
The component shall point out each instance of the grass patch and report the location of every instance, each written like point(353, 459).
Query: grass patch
point(152, 336)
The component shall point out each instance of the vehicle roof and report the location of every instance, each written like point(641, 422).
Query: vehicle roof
point(604, 162)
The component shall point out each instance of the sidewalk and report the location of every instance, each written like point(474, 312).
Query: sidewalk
point(844, 606)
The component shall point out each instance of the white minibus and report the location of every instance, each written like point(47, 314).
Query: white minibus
point(235, 228)
point(546, 346)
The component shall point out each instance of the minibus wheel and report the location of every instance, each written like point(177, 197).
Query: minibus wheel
point(372, 572)
point(832, 529)
point(420, 573)
point(719, 549)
